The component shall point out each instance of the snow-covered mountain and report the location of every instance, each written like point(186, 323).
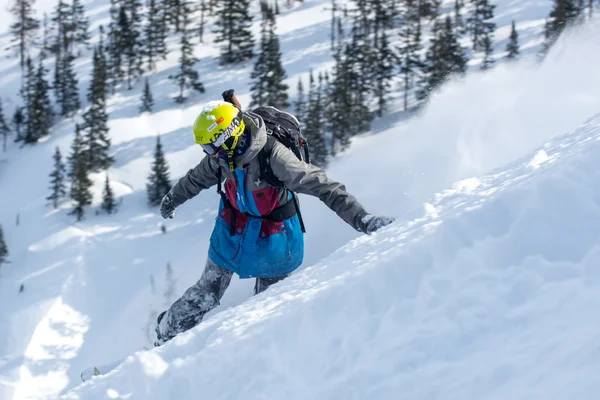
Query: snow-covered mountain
point(489, 294)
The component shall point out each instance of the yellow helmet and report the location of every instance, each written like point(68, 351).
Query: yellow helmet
point(217, 123)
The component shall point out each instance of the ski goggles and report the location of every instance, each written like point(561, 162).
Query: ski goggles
point(233, 131)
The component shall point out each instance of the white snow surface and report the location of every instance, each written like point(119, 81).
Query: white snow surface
point(494, 297)
point(483, 288)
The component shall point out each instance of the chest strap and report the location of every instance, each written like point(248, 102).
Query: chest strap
point(279, 214)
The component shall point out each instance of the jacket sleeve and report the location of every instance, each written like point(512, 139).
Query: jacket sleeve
point(202, 177)
point(301, 177)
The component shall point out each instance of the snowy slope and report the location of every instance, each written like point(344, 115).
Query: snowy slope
point(492, 294)
point(88, 294)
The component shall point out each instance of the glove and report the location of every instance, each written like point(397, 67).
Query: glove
point(368, 223)
point(168, 206)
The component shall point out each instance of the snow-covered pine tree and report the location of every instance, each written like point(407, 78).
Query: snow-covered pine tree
point(3, 247)
point(563, 14)
point(155, 35)
point(108, 198)
point(79, 24)
point(18, 120)
point(174, 13)
point(27, 93)
point(61, 27)
point(277, 95)
point(268, 75)
point(383, 72)
point(202, 20)
point(147, 101)
point(77, 152)
point(488, 60)
point(158, 180)
point(129, 45)
point(233, 31)
point(24, 29)
point(114, 59)
point(512, 48)
point(300, 105)
point(459, 23)
point(40, 115)
point(45, 38)
point(80, 181)
point(4, 129)
point(409, 50)
point(66, 84)
point(315, 124)
point(187, 77)
point(102, 61)
point(444, 57)
point(58, 187)
point(479, 23)
point(258, 76)
point(97, 141)
point(360, 57)
point(339, 101)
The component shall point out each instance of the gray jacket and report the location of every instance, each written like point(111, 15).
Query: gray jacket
point(297, 176)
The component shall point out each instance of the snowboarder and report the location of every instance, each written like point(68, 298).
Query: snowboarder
point(258, 231)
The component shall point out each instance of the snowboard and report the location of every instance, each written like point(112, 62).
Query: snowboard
point(89, 373)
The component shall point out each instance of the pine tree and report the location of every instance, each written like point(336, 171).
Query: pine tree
point(459, 24)
point(339, 99)
point(130, 46)
point(234, 30)
point(25, 28)
point(300, 105)
point(360, 58)
point(40, 115)
point(155, 36)
point(114, 62)
point(268, 87)
point(409, 51)
point(488, 60)
point(108, 198)
point(80, 182)
point(384, 72)
point(276, 88)
point(314, 131)
point(27, 92)
point(147, 101)
point(61, 28)
point(102, 79)
point(79, 24)
point(563, 14)
point(187, 77)
point(479, 23)
point(95, 118)
point(258, 87)
point(4, 129)
point(77, 152)
point(158, 181)
point(45, 38)
point(65, 83)
point(57, 180)
point(3, 247)
point(444, 57)
point(18, 120)
point(512, 48)
point(202, 20)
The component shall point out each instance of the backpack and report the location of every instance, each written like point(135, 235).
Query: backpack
point(284, 128)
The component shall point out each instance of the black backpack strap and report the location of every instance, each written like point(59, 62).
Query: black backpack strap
point(264, 162)
point(226, 203)
point(266, 174)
